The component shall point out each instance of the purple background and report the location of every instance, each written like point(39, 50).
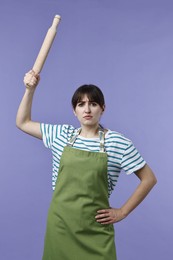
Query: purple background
point(126, 48)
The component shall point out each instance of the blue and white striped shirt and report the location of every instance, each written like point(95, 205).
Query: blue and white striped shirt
point(121, 152)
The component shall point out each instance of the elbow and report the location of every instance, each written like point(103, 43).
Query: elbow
point(151, 180)
point(152, 183)
point(154, 180)
point(18, 124)
point(147, 177)
point(21, 122)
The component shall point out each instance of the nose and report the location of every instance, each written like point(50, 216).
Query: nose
point(87, 108)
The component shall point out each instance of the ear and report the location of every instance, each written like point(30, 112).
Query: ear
point(103, 109)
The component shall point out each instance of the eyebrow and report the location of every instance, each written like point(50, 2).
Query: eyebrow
point(90, 101)
point(83, 102)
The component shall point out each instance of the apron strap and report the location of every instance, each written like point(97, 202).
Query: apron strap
point(102, 140)
point(73, 138)
point(101, 137)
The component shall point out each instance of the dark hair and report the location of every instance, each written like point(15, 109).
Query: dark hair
point(93, 93)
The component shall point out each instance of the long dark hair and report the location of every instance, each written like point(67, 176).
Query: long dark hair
point(93, 93)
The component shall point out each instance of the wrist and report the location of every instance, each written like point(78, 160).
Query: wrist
point(29, 90)
point(124, 212)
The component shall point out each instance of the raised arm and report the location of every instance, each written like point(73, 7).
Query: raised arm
point(23, 118)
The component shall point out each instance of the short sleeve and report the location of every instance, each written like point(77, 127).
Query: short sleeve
point(49, 133)
point(132, 160)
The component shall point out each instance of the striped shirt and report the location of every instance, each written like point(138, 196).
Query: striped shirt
point(122, 155)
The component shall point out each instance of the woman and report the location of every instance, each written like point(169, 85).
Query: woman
point(86, 165)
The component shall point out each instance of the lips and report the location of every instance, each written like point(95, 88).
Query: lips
point(88, 117)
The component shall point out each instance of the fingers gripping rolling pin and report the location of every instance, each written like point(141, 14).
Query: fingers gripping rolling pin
point(46, 45)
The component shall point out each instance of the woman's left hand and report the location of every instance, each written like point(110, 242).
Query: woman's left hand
point(109, 216)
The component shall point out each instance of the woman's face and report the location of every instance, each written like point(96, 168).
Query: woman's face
point(88, 112)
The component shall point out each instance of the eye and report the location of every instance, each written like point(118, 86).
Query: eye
point(80, 104)
point(94, 104)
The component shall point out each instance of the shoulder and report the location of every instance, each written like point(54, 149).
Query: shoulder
point(57, 129)
point(52, 132)
point(67, 130)
point(116, 137)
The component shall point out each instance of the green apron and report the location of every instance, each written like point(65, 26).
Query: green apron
point(81, 189)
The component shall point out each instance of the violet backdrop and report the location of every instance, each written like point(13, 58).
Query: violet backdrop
point(124, 47)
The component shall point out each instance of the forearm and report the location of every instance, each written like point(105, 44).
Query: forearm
point(23, 118)
point(24, 110)
point(113, 215)
point(138, 196)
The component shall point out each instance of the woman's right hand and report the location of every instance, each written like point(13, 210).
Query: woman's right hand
point(31, 79)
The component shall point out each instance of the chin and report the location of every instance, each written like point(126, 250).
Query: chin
point(89, 123)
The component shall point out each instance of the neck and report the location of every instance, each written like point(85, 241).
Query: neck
point(89, 132)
